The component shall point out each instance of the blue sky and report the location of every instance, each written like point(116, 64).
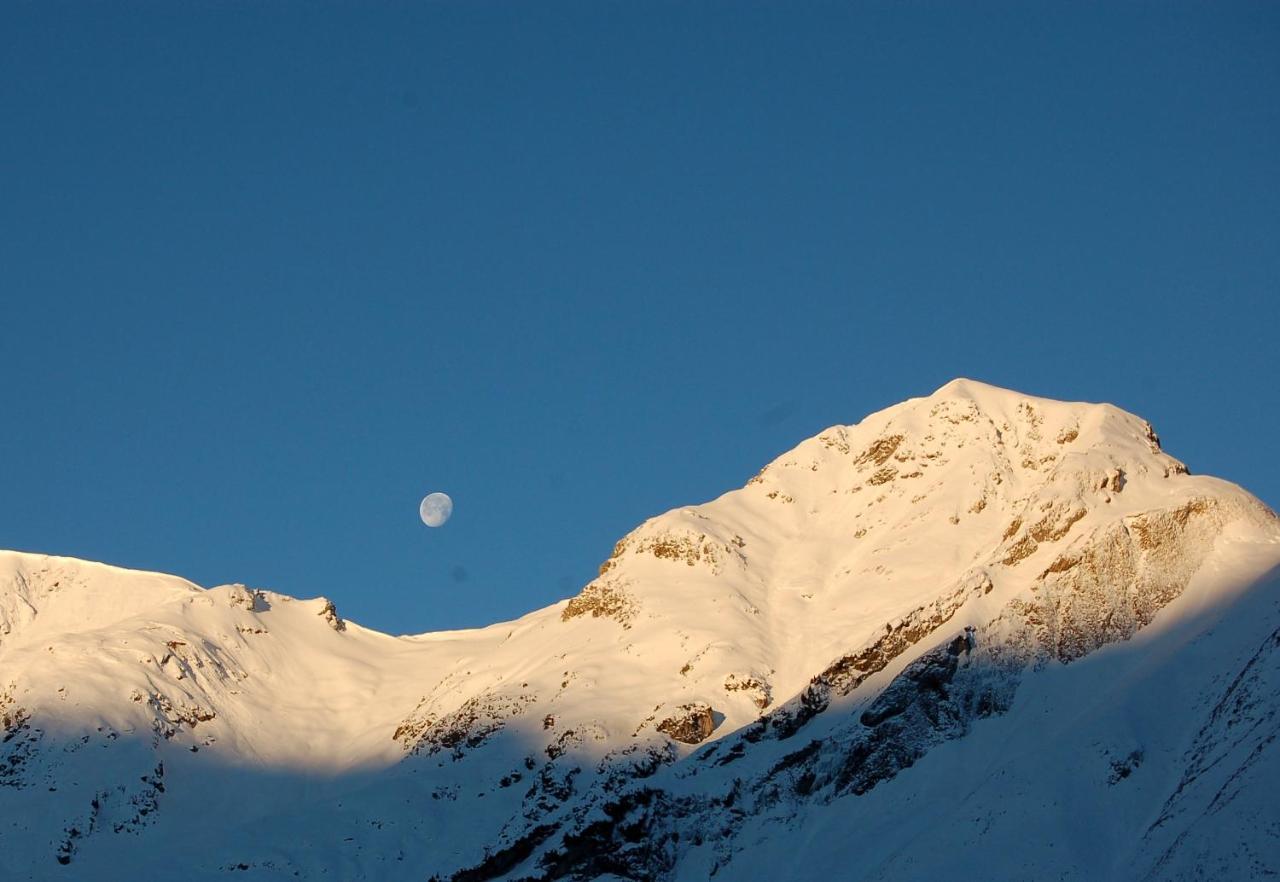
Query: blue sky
point(271, 272)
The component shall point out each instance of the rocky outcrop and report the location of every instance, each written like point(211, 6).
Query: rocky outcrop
point(504, 859)
point(850, 671)
point(18, 740)
point(754, 686)
point(626, 841)
point(171, 717)
point(462, 729)
point(690, 724)
point(329, 613)
point(602, 599)
point(934, 699)
point(677, 545)
point(1114, 582)
point(245, 598)
point(879, 452)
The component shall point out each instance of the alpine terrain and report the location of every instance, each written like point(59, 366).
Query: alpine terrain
point(977, 633)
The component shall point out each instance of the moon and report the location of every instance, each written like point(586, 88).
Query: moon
point(435, 509)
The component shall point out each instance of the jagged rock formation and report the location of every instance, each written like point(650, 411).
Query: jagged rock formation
point(976, 626)
point(690, 724)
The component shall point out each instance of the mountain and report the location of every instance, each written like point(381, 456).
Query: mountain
point(977, 632)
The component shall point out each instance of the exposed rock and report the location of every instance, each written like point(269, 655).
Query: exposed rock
point(849, 672)
point(754, 687)
point(935, 699)
point(602, 599)
point(1151, 437)
point(466, 727)
point(837, 438)
point(1115, 582)
point(1020, 551)
point(689, 547)
point(575, 737)
point(690, 724)
point(880, 451)
point(505, 859)
point(627, 842)
point(618, 547)
point(330, 614)
point(1123, 768)
point(19, 742)
point(239, 595)
point(170, 717)
point(1057, 523)
point(13, 718)
point(883, 476)
point(686, 548)
point(1113, 480)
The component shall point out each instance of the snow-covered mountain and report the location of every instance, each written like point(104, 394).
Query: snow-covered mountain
point(977, 632)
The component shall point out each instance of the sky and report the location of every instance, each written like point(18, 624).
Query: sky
point(269, 273)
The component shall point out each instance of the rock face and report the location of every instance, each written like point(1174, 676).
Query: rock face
point(690, 724)
point(329, 613)
point(602, 599)
point(976, 629)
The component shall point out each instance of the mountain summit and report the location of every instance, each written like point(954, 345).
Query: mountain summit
point(976, 629)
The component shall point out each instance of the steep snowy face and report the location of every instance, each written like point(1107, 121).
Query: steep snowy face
point(865, 525)
point(789, 646)
point(912, 569)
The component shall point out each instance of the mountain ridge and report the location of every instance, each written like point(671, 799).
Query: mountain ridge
point(879, 593)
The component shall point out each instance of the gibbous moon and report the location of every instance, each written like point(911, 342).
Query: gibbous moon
point(435, 509)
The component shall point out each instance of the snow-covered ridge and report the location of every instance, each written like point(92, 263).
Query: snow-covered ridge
point(789, 650)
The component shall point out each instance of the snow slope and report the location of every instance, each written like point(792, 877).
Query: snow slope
point(978, 628)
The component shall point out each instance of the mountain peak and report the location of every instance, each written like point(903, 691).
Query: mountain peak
point(963, 387)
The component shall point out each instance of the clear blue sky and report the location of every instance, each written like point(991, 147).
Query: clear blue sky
point(271, 272)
